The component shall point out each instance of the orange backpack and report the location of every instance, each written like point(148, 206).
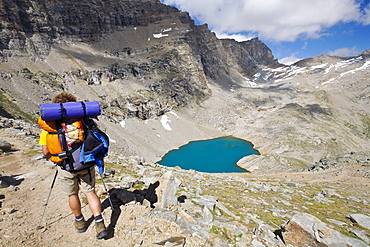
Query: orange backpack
point(57, 133)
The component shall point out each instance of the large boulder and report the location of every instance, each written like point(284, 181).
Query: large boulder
point(5, 146)
point(307, 230)
point(361, 219)
point(167, 189)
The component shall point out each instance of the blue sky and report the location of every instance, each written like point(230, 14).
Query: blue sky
point(292, 29)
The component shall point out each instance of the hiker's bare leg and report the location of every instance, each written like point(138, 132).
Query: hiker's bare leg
point(75, 204)
point(94, 203)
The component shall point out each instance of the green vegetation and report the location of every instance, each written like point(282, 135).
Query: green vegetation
point(23, 215)
point(277, 207)
point(52, 79)
point(34, 152)
point(366, 120)
point(84, 200)
point(9, 109)
point(168, 65)
point(225, 234)
point(139, 186)
point(360, 130)
point(121, 168)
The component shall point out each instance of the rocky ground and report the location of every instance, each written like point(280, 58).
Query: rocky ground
point(312, 208)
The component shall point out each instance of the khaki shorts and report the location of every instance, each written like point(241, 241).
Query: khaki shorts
point(72, 183)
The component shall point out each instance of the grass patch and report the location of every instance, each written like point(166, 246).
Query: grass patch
point(84, 200)
point(23, 215)
point(139, 186)
point(298, 198)
point(34, 152)
point(225, 234)
point(366, 120)
point(10, 109)
point(121, 169)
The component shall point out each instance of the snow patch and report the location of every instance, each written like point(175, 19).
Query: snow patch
point(332, 80)
point(284, 73)
point(250, 83)
point(159, 35)
point(165, 123)
point(343, 64)
point(295, 70)
point(279, 69)
point(123, 124)
point(365, 66)
point(320, 66)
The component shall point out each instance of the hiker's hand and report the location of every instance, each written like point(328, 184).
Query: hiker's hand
point(45, 151)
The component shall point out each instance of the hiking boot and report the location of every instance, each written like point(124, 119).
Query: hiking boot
point(80, 225)
point(101, 231)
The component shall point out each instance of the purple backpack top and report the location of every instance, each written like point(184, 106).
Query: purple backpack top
point(70, 110)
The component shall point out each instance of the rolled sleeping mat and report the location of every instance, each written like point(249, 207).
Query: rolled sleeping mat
point(72, 110)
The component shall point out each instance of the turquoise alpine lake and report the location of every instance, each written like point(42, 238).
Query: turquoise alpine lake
point(217, 155)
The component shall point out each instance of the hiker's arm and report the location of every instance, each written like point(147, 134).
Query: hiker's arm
point(45, 151)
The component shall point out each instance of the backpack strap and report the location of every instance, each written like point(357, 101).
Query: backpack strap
point(64, 111)
point(84, 108)
point(62, 136)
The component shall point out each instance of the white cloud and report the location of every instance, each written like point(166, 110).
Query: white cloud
point(276, 20)
point(366, 16)
point(289, 60)
point(344, 52)
point(305, 45)
point(238, 37)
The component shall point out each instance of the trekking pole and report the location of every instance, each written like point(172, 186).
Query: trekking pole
point(105, 188)
point(100, 165)
point(47, 200)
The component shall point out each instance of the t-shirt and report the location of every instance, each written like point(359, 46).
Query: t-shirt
point(43, 135)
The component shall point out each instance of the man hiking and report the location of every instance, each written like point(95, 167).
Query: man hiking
point(74, 181)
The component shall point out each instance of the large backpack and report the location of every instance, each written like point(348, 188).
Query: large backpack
point(74, 141)
point(95, 146)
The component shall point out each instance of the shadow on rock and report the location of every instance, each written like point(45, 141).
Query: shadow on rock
point(6, 181)
point(120, 197)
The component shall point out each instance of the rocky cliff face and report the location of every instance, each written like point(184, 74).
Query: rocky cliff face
point(220, 56)
point(31, 27)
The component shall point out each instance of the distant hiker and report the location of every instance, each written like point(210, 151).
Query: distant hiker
point(73, 181)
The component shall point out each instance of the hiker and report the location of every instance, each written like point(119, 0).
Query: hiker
point(73, 182)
